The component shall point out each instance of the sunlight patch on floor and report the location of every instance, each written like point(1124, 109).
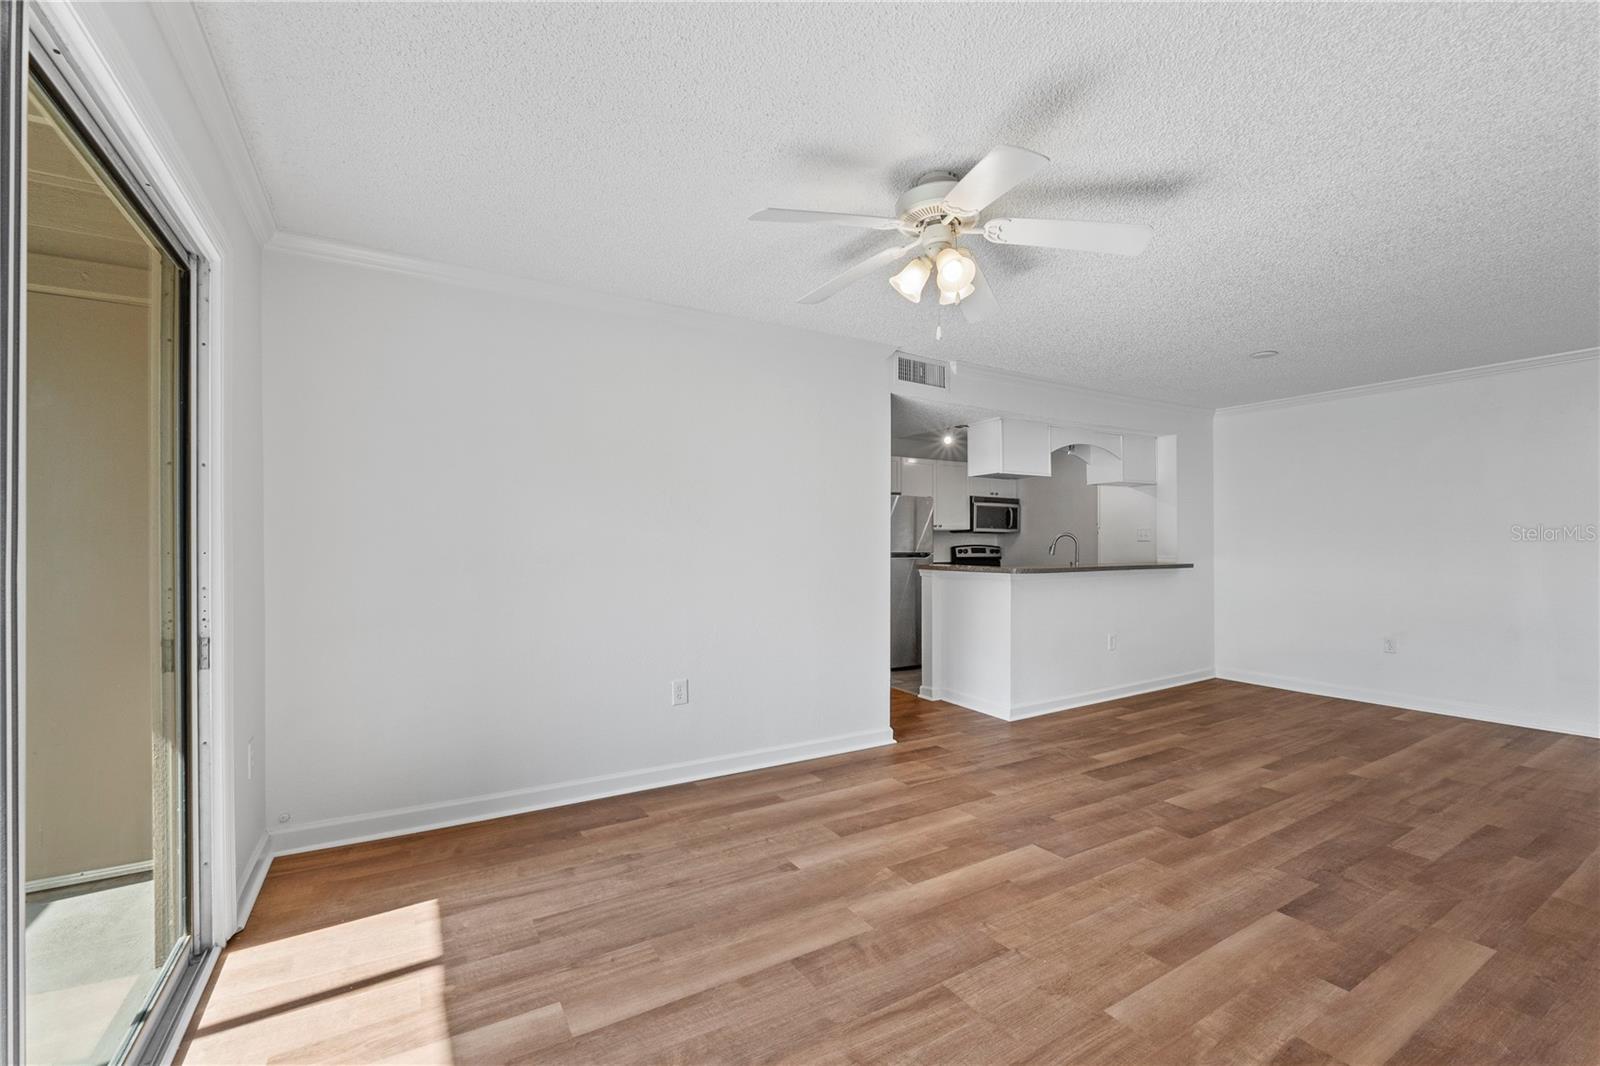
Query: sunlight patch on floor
point(382, 969)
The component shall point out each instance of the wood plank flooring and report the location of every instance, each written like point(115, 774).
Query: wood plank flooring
point(1217, 873)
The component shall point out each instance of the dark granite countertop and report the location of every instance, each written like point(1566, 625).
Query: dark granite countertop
point(959, 569)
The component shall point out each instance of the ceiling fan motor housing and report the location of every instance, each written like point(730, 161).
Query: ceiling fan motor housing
point(924, 201)
point(937, 235)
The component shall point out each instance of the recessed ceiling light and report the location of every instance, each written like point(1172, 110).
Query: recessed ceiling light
point(1265, 353)
point(949, 438)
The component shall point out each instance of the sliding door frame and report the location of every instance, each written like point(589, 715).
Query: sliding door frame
point(133, 142)
point(13, 189)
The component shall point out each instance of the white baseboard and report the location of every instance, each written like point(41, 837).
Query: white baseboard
point(335, 832)
point(1102, 695)
point(127, 869)
point(966, 700)
point(1404, 701)
point(250, 887)
point(1062, 703)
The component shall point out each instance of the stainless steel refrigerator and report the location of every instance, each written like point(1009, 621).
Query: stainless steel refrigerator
point(910, 541)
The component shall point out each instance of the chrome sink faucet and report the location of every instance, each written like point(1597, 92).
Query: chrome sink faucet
point(1074, 540)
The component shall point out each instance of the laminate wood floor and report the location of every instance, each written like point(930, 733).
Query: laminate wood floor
point(1217, 873)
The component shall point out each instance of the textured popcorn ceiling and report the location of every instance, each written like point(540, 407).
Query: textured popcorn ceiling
point(1378, 191)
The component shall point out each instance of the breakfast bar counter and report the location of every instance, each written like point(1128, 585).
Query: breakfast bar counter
point(961, 568)
point(1019, 641)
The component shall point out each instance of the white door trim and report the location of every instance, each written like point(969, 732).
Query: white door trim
point(144, 144)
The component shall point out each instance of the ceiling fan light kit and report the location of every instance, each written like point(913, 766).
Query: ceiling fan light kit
point(956, 269)
point(913, 278)
point(941, 208)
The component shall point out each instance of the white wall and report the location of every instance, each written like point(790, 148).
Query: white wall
point(1346, 520)
point(186, 134)
point(1167, 480)
point(1125, 511)
point(499, 526)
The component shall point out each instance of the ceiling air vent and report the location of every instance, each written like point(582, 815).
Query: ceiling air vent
point(921, 371)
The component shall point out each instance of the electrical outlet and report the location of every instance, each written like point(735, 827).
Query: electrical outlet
point(1389, 646)
point(250, 759)
point(680, 692)
point(1111, 642)
point(1142, 534)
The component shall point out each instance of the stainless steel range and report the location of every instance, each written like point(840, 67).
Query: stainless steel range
point(975, 555)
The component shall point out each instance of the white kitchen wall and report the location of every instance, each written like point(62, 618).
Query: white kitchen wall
point(1127, 512)
point(1409, 514)
point(1062, 502)
point(499, 526)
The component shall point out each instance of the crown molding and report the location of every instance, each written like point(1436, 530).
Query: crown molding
point(180, 26)
point(1088, 392)
point(550, 292)
point(547, 292)
point(1511, 366)
point(431, 269)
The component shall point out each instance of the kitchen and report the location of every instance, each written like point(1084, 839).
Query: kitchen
point(1013, 546)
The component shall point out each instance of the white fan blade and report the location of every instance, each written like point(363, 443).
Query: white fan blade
point(784, 214)
point(994, 175)
point(1118, 238)
point(981, 304)
point(857, 272)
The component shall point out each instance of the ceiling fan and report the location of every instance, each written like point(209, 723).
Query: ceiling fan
point(939, 210)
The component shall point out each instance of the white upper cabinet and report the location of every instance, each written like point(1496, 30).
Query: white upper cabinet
point(927, 477)
point(1008, 448)
point(1114, 459)
point(952, 502)
point(991, 486)
point(916, 477)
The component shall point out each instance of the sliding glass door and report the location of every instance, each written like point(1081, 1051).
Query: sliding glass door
point(104, 707)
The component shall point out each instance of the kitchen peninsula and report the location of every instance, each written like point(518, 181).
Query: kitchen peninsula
point(1019, 641)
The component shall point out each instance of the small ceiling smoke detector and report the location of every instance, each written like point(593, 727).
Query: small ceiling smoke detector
point(1265, 353)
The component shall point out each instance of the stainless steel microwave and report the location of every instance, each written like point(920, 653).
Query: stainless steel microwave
point(996, 514)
